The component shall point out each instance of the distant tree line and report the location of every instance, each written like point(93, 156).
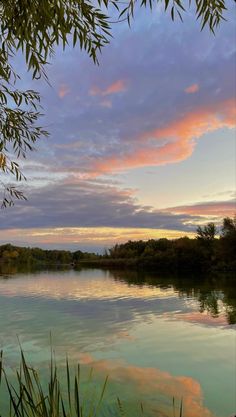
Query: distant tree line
point(211, 249)
point(26, 256)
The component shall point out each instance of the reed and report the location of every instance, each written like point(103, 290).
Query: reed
point(28, 396)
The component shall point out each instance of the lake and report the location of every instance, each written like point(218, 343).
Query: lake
point(156, 337)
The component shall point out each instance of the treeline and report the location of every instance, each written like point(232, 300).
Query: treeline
point(211, 249)
point(36, 256)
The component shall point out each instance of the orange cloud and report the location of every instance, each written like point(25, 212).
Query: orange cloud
point(153, 380)
point(173, 142)
point(63, 91)
point(87, 235)
point(220, 208)
point(117, 87)
point(192, 89)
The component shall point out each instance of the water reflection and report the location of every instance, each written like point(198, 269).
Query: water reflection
point(166, 334)
point(80, 285)
point(214, 293)
point(153, 382)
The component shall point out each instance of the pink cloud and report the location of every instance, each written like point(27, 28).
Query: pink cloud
point(192, 89)
point(63, 90)
point(173, 142)
point(116, 87)
point(217, 208)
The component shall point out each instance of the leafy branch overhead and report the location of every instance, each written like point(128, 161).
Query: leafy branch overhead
point(18, 133)
point(34, 28)
point(210, 12)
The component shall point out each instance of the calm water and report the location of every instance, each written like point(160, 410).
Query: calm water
point(155, 337)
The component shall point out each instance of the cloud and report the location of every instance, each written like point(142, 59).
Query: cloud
point(210, 208)
point(64, 90)
point(106, 103)
point(87, 235)
point(171, 143)
point(192, 89)
point(95, 214)
point(117, 87)
point(87, 204)
point(152, 124)
point(91, 239)
point(156, 74)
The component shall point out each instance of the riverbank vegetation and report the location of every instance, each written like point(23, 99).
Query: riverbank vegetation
point(211, 249)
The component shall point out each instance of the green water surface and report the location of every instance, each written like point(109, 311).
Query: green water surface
point(156, 337)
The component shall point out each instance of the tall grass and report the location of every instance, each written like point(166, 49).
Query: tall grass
point(28, 396)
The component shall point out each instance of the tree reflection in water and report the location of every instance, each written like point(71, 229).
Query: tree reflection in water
point(211, 291)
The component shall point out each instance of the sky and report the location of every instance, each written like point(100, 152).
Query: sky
point(141, 146)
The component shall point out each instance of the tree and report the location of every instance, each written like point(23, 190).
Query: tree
point(229, 228)
point(207, 233)
point(35, 27)
point(228, 241)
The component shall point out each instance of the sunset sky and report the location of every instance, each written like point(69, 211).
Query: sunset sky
point(141, 146)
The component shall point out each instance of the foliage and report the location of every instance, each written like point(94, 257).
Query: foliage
point(18, 133)
point(204, 252)
point(207, 233)
point(37, 256)
point(227, 244)
point(229, 227)
point(34, 28)
point(211, 13)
